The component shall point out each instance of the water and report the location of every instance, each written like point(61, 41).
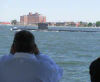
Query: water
point(73, 51)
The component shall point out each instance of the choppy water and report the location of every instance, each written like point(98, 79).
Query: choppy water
point(73, 51)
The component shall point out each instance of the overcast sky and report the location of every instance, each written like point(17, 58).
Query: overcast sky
point(54, 10)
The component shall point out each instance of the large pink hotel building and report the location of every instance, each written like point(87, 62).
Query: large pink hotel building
point(32, 19)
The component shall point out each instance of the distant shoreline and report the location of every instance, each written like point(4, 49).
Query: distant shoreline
point(48, 26)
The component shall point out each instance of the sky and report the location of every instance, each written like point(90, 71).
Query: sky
point(54, 10)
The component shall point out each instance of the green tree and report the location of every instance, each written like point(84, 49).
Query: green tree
point(14, 22)
point(90, 24)
point(98, 23)
point(81, 22)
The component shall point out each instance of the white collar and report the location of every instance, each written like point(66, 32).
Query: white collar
point(25, 55)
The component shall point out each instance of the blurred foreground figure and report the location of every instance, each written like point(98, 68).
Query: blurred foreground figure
point(26, 64)
point(95, 71)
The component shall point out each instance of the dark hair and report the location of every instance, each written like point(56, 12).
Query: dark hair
point(95, 70)
point(24, 41)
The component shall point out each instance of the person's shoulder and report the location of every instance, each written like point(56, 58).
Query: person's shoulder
point(56, 69)
point(46, 58)
point(41, 55)
point(5, 57)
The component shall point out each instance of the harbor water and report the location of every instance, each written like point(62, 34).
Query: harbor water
point(73, 51)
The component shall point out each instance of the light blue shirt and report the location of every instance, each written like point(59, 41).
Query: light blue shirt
point(25, 67)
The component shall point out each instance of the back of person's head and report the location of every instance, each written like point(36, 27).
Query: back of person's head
point(24, 41)
point(95, 71)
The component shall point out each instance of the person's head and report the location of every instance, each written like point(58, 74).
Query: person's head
point(24, 41)
point(95, 71)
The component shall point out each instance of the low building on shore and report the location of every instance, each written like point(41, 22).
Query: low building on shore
point(81, 24)
point(5, 23)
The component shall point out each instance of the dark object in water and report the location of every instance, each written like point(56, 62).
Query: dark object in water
point(42, 26)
